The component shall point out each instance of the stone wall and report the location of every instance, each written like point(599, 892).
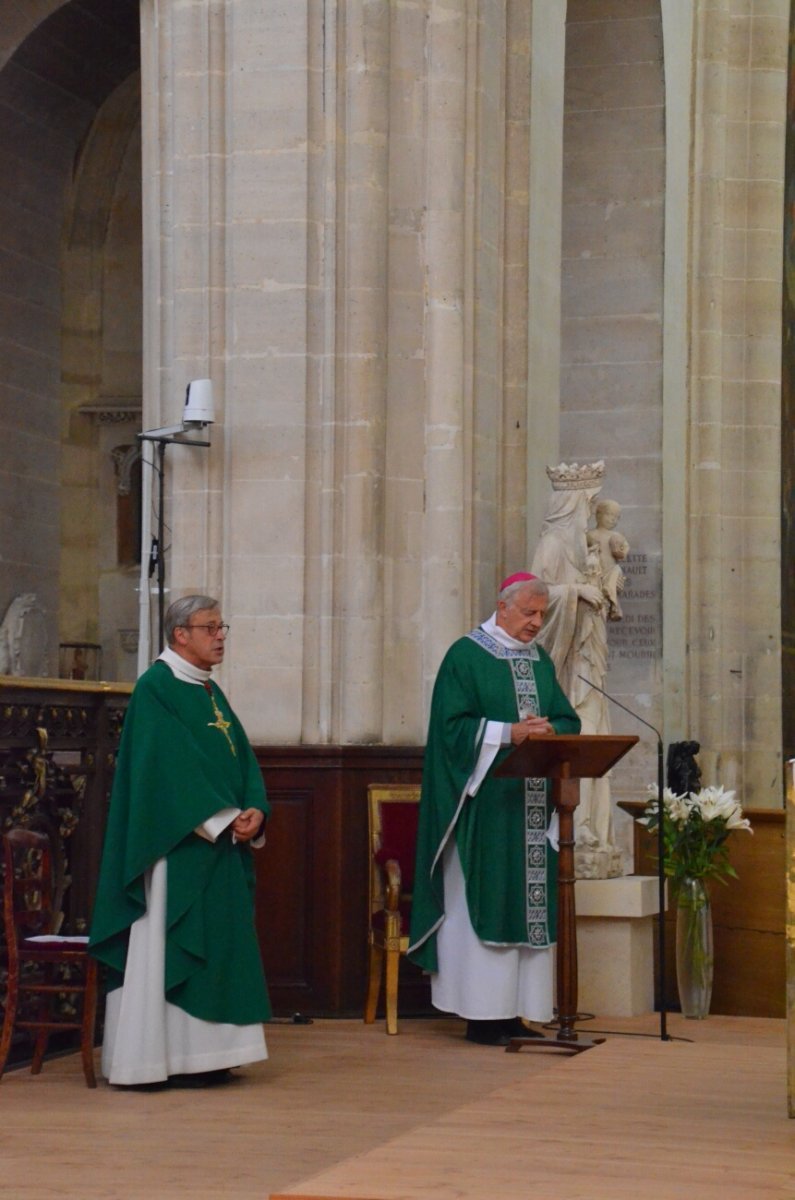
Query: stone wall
point(614, 171)
point(671, 363)
point(342, 249)
point(360, 302)
point(422, 249)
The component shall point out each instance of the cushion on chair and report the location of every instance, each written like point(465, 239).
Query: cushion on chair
point(399, 823)
point(51, 941)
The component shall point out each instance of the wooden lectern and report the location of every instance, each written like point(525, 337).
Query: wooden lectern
point(565, 759)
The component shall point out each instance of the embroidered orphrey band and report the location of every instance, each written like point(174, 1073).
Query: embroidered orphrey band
point(535, 790)
point(535, 808)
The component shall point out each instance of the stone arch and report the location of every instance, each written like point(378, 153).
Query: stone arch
point(18, 21)
point(100, 371)
point(59, 63)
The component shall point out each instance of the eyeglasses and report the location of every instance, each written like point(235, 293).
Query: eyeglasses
point(213, 628)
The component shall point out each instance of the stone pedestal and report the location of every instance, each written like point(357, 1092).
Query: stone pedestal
point(615, 944)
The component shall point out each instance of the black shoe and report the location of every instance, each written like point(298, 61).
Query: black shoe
point(200, 1079)
point(514, 1027)
point(157, 1086)
point(487, 1033)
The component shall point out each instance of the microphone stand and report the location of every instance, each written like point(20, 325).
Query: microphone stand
point(664, 1035)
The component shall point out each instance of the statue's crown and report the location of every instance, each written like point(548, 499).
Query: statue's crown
point(571, 477)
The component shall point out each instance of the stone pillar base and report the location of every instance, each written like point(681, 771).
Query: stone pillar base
point(615, 944)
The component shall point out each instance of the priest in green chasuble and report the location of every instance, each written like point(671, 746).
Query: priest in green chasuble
point(484, 905)
point(173, 918)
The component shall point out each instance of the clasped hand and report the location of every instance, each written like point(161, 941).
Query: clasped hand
point(529, 727)
point(246, 825)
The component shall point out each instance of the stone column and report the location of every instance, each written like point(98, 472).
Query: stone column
point(734, 659)
point(321, 493)
point(360, 377)
point(183, 124)
point(486, 265)
point(545, 193)
point(225, 171)
point(517, 414)
point(447, 531)
point(404, 483)
point(268, 212)
point(678, 30)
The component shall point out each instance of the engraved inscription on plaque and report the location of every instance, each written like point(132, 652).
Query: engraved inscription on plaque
point(637, 636)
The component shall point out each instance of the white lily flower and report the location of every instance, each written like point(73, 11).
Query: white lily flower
point(677, 807)
point(713, 803)
point(695, 828)
point(736, 820)
point(669, 796)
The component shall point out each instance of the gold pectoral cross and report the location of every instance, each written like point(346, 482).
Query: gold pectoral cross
point(220, 722)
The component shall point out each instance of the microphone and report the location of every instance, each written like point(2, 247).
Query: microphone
point(664, 1037)
point(631, 712)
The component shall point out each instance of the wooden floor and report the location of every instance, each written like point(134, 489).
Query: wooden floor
point(341, 1110)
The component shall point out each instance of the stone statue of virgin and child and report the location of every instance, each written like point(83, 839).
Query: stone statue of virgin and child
point(582, 566)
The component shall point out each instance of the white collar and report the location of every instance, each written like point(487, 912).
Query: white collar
point(184, 670)
point(498, 633)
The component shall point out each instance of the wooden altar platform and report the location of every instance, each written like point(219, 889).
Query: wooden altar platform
point(340, 1110)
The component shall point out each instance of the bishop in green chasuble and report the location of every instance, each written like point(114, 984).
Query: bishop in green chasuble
point(173, 919)
point(485, 884)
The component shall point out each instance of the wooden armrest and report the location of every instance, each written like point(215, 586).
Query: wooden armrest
point(393, 885)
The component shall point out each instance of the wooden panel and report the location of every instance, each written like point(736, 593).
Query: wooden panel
point(284, 892)
point(312, 877)
point(748, 917)
point(756, 900)
point(749, 973)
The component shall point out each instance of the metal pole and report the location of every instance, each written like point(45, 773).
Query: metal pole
point(144, 627)
point(661, 891)
point(161, 558)
point(664, 1036)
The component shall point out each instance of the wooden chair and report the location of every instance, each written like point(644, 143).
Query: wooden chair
point(43, 968)
point(393, 811)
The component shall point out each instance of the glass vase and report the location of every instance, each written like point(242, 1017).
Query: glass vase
point(694, 954)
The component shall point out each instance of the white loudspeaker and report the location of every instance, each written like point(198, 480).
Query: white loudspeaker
point(199, 409)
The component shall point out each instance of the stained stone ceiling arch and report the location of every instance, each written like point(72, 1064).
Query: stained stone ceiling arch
point(86, 48)
point(60, 64)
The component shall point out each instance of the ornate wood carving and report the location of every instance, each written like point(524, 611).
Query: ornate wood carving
point(58, 743)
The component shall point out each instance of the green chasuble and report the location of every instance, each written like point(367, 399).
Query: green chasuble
point(509, 866)
point(182, 759)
